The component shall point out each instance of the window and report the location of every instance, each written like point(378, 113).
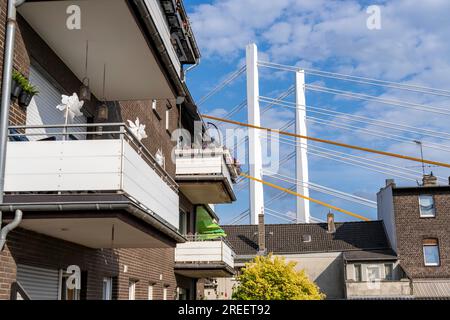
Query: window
point(373, 273)
point(168, 121)
point(183, 223)
point(431, 252)
point(182, 294)
point(107, 288)
point(388, 271)
point(155, 109)
point(132, 290)
point(358, 276)
point(150, 292)
point(165, 293)
point(66, 292)
point(426, 204)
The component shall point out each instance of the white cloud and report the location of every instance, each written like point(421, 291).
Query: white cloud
point(413, 47)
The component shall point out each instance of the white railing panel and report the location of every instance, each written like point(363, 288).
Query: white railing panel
point(63, 165)
point(204, 251)
point(207, 165)
point(146, 186)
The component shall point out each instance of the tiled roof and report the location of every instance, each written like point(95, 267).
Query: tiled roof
point(287, 238)
point(367, 255)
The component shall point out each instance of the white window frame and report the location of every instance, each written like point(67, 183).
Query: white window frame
point(431, 264)
point(132, 289)
point(374, 266)
point(165, 293)
point(425, 215)
point(109, 284)
point(150, 292)
point(168, 120)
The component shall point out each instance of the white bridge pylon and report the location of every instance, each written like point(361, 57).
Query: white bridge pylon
point(254, 141)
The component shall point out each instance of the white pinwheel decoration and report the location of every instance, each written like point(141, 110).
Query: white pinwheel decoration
point(71, 105)
point(137, 129)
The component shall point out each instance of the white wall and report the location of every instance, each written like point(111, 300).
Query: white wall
point(385, 212)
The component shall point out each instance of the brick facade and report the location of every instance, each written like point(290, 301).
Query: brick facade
point(148, 266)
point(155, 122)
point(21, 63)
point(412, 230)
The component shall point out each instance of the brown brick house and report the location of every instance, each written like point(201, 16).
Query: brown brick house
point(96, 197)
point(417, 224)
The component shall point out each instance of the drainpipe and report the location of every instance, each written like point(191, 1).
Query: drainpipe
point(9, 227)
point(189, 69)
point(8, 61)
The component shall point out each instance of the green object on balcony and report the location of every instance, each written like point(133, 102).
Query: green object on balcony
point(207, 228)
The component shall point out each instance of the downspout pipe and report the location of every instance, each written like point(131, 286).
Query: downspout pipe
point(9, 227)
point(8, 61)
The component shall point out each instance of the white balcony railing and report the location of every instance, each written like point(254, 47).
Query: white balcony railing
point(398, 288)
point(206, 252)
point(206, 175)
point(112, 162)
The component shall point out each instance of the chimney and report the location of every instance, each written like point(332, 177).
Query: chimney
point(390, 182)
point(330, 222)
point(429, 180)
point(261, 234)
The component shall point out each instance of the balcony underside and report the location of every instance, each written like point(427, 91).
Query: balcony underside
point(92, 220)
point(206, 189)
point(204, 270)
point(115, 39)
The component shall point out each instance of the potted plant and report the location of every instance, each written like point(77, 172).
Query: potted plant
point(18, 81)
point(28, 92)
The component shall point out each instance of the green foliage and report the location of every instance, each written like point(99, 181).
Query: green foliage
point(24, 83)
point(29, 88)
point(272, 278)
point(19, 78)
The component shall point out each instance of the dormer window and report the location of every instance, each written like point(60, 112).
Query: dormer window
point(426, 204)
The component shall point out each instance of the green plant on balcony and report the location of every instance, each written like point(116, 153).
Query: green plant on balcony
point(17, 83)
point(28, 92)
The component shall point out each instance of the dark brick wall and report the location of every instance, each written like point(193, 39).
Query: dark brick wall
point(21, 63)
point(412, 230)
point(147, 266)
point(155, 122)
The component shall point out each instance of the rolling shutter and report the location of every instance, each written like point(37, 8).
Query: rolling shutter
point(42, 109)
point(38, 283)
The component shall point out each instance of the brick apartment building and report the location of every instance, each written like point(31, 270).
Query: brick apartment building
point(96, 196)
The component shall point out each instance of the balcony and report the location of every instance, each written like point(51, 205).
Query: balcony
point(107, 171)
point(379, 289)
point(198, 258)
point(121, 34)
point(206, 175)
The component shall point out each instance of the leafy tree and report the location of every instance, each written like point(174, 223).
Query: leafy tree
point(272, 278)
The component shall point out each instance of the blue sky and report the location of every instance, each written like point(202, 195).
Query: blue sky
point(412, 46)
